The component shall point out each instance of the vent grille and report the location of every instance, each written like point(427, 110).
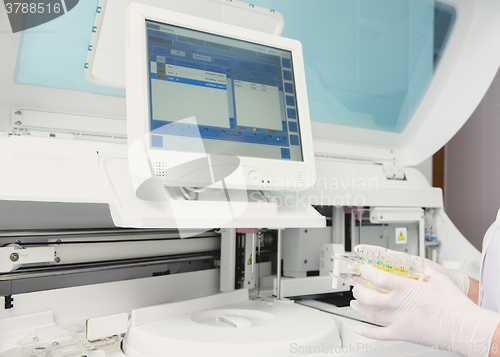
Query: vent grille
point(301, 177)
point(158, 168)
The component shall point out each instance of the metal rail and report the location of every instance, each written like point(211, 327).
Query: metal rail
point(92, 268)
point(95, 235)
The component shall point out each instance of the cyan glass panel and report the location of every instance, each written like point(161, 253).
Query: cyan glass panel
point(368, 62)
point(53, 54)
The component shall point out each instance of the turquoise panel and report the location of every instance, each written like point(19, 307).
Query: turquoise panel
point(53, 54)
point(368, 62)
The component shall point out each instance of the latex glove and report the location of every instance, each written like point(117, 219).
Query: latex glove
point(459, 279)
point(434, 313)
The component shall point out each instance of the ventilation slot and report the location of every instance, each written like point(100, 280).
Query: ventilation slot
point(301, 177)
point(158, 168)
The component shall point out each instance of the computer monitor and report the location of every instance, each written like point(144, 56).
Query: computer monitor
point(208, 100)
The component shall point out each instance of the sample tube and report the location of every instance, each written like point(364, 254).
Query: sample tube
point(380, 260)
point(369, 258)
point(413, 267)
point(421, 266)
point(404, 268)
point(390, 263)
point(361, 258)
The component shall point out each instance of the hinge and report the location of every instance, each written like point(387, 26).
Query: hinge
point(393, 171)
point(67, 126)
point(361, 154)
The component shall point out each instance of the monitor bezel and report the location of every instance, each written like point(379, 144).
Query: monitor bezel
point(259, 173)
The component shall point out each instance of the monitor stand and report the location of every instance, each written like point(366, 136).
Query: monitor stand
point(214, 208)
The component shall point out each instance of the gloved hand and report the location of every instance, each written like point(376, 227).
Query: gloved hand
point(434, 313)
point(459, 279)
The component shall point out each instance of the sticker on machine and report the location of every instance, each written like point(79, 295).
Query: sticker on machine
point(401, 235)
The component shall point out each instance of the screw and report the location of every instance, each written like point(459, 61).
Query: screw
point(57, 260)
point(58, 241)
point(305, 231)
point(17, 241)
point(14, 257)
point(305, 261)
point(18, 112)
point(55, 344)
point(18, 122)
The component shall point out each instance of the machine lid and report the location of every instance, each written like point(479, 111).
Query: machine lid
point(461, 70)
point(106, 62)
point(465, 66)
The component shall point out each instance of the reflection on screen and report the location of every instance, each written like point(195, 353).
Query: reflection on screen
point(237, 96)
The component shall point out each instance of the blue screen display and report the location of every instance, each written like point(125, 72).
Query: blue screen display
point(237, 97)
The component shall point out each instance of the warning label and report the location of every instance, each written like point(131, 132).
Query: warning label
point(250, 260)
point(401, 235)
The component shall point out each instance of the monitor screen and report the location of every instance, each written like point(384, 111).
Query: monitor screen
point(237, 97)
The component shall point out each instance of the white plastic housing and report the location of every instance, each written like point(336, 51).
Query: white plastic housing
point(227, 324)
